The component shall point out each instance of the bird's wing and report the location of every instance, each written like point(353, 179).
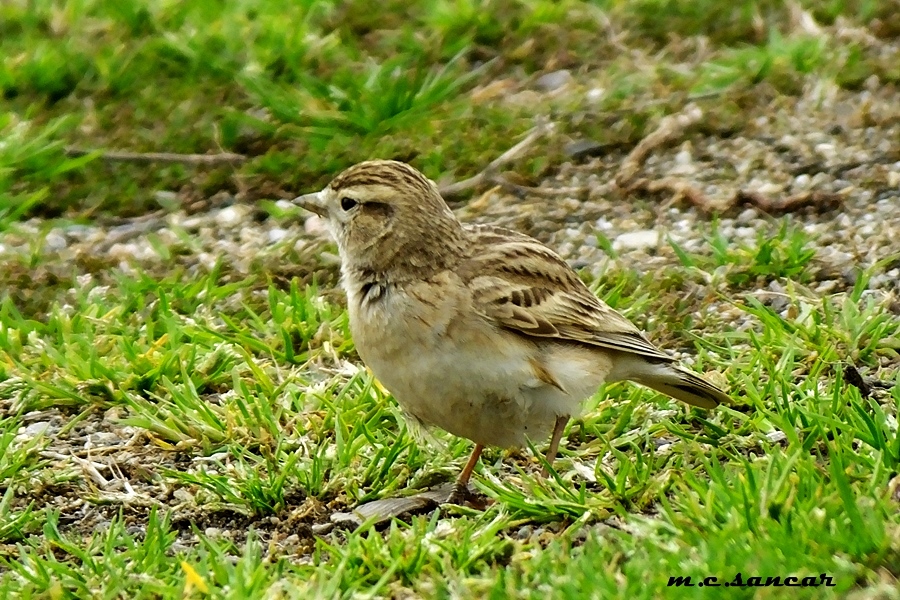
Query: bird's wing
point(523, 286)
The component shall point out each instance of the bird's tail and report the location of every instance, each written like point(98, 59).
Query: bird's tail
point(676, 381)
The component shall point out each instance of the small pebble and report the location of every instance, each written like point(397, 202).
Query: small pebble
point(684, 158)
point(554, 80)
point(55, 241)
point(636, 240)
point(595, 94)
point(776, 436)
point(183, 495)
point(322, 528)
point(828, 151)
point(105, 438)
point(230, 216)
point(770, 188)
point(33, 430)
point(276, 235)
point(893, 179)
point(166, 198)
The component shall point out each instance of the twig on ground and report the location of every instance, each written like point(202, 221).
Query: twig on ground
point(675, 125)
point(681, 189)
point(132, 228)
point(669, 128)
point(676, 98)
point(169, 157)
point(460, 187)
point(541, 192)
point(814, 199)
point(89, 467)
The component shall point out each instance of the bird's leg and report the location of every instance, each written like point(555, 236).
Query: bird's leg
point(461, 491)
point(554, 442)
point(463, 479)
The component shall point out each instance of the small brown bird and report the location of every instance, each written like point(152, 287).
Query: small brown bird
point(481, 331)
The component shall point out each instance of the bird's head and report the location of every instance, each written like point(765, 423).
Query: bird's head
point(386, 216)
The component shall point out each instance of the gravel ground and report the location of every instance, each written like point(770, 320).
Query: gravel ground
point(845, 144)
point(828, 140)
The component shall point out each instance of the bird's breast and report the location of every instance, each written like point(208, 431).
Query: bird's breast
point(450, 367)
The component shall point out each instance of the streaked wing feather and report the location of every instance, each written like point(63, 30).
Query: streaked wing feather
point(524, 286)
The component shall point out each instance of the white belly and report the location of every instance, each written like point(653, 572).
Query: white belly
point(453, 370)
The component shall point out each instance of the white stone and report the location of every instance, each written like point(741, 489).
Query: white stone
point(104, 437)
point(770, 188)
point(276, 235)
point(595, 94)
point(183, 495)
point(747, 215)
point(166, 198)
point(826, 150)
point(893, 179)
point(36, 429)
point(776, 436)
point(637, 240)
point(554, 80)
point(229, 216)
point(684, 157)
point(55, 241)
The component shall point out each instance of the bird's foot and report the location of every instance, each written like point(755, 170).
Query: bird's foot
point(461, 495)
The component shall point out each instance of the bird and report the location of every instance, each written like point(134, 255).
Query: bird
point(481, 331)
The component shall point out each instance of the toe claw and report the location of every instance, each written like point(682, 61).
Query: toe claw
point(460, 495)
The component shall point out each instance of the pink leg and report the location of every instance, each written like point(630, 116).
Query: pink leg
point(463, 479)
point(554, 442)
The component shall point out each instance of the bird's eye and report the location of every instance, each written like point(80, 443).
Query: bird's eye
point(348, 203)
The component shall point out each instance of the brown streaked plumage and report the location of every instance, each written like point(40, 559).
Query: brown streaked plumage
point(481, 331)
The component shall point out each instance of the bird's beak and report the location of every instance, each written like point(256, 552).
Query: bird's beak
point(313, 203)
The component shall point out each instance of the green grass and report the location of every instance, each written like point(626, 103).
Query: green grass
point(185, 425)
point(307, 88)
point(786, 255)
point(202, 367)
